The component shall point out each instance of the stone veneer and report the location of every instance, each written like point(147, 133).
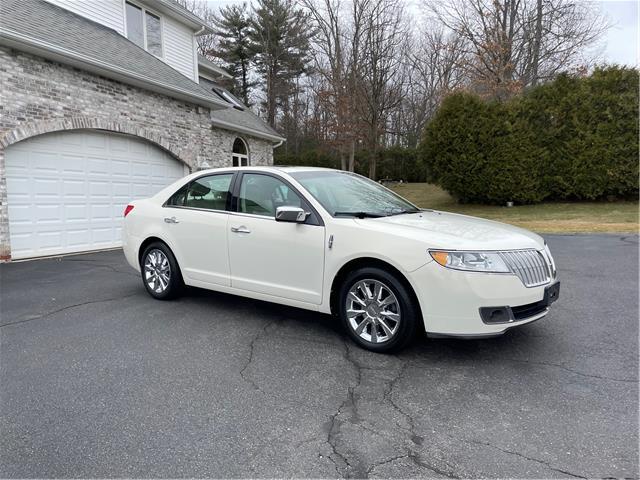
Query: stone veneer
point(39, 96)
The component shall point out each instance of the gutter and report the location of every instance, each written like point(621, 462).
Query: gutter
point(187, 15)
point(249, 131)
point(38, 47)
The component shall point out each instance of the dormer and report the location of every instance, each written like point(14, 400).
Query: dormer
point(161, 27)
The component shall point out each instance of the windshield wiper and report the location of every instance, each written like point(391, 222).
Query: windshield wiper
point(358, 214)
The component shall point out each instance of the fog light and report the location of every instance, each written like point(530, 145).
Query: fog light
point(495, 314)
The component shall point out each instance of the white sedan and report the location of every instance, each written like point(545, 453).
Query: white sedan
point(339, 243)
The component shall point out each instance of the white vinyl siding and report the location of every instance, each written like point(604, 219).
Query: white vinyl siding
point(106, 12)
point(179, 48)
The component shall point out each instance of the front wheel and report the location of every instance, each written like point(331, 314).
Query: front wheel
point(160, 272)
point(377, 310)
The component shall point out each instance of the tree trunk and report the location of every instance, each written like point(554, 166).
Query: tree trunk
point(352, 156)
point(373, 159)
point(271, 98)
point(536, 45)
point(343, 160)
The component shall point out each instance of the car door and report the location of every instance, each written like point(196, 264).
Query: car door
point(272, 257)
point(196, 220)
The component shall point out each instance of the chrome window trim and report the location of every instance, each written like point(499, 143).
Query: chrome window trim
point(182, 207)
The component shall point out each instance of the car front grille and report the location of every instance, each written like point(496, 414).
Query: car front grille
point(529, 266)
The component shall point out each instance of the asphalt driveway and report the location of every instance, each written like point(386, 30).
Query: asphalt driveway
point(99, 380)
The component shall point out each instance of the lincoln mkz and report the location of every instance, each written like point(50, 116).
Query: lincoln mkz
point(339, 243)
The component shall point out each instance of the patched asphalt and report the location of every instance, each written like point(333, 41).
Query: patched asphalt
point(97, 379)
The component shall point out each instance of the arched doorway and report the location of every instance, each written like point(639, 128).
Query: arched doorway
point(240, 153)
point(66, 190)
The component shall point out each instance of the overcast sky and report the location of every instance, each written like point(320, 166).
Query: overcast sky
point(619, 45)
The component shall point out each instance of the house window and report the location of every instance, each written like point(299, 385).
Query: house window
point(144, 29)
point(240, 154)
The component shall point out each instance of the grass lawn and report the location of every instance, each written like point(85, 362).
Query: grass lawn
point(554, 217)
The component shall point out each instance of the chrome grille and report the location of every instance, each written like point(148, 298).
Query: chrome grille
point(529, 266)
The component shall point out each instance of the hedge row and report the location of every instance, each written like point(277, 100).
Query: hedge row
point(573, 138)
point(394, 163)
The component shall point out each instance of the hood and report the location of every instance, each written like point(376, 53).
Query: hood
point(456, 232)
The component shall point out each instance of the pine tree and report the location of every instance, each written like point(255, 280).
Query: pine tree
point(232, 26)
point(280, 37)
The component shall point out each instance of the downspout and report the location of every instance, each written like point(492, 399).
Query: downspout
point(278, 144)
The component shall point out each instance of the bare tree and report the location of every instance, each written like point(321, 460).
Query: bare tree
point(381, 80)
point(511, 44)
point(433, 65)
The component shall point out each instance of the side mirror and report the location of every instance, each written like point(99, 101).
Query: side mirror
point(291, 214)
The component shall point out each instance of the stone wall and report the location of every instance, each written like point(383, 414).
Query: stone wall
point(40, 96)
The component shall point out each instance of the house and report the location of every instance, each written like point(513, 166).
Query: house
point(102, 102)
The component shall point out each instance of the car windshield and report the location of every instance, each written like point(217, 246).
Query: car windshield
point(348, 194)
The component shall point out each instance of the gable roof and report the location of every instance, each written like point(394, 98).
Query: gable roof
point(39, 27)
point(207, 65)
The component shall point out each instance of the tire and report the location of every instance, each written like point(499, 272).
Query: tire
point(389, 316)
point(160, 272)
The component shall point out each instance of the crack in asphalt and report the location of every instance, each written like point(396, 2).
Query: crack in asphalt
point(411, 428)
point(576, 372)
point(414, 457)
point(260, 333)
point(75, 305)
point(521, 455)
point(335, 423)
point(348, 467)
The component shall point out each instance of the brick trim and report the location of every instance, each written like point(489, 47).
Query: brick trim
point(32, 129)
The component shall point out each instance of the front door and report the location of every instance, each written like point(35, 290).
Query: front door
point(196, 224)
point(275, 258)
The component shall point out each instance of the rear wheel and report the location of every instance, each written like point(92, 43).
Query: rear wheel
point(160, 272)
point(377, 310)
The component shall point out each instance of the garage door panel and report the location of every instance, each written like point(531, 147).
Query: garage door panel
point(120, 168)
point(76, 213)
point(78, 238)
point(102, 235)
point(67, 191)
point(48, 213)
point(74, 189)
point(72, 165)
point(98, 166)
point(139, 148)
point(20, 214)
point(44, 162)
point(46, 187)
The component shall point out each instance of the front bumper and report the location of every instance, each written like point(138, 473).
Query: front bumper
point(457, 304)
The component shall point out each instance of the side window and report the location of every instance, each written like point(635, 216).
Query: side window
point(177, 199)
point(262, 194)
point(209, 192)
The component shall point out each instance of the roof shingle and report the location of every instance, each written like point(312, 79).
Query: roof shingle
point(40, 24)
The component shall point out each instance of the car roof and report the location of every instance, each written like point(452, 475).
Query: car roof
point(270, 168)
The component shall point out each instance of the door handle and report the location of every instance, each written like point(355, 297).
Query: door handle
point(170, 220)
point(240, 229)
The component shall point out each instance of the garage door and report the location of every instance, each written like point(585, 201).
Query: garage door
point(67, 191)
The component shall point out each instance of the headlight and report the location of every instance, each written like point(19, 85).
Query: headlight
point(471, 261)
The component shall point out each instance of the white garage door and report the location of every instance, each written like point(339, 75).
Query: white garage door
point(67, 191)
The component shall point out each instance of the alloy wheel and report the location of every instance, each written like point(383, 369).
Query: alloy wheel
point(157, 271)
point(373, 311)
